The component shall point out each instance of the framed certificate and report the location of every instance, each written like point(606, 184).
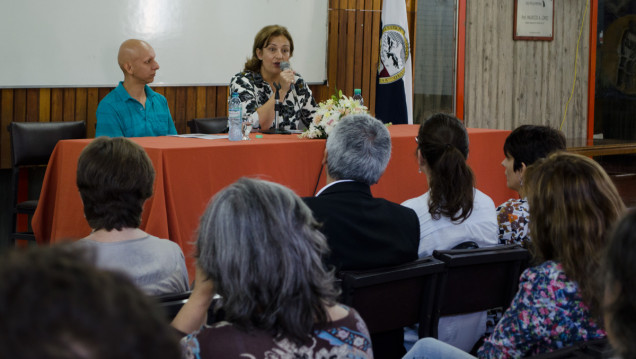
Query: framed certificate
point(534, 20)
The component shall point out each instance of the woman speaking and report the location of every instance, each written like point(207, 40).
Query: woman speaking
point(256, 84)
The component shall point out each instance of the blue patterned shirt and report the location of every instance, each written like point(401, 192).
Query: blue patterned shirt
point(120, 115)
point(548, 313)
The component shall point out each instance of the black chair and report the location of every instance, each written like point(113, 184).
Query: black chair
point(391, 298)
point(31, 145)
point(593, 349)
point(172, 303)
point(466, 245)
point(477, 280)
point(208, 125)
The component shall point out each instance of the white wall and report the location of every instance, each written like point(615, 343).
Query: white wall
point(74, 43)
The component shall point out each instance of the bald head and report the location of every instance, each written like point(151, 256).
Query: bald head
point(136, 59)
point(130, 50)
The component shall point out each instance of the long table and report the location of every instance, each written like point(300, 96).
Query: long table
point(189, 171)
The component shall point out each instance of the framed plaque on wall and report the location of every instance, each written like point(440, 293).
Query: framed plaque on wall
point(533, 20)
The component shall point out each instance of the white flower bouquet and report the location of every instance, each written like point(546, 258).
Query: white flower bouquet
point(329, 113)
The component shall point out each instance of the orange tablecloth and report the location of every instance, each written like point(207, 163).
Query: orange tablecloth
point(190, 171)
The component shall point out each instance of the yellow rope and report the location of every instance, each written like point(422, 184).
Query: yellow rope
point(576, 59)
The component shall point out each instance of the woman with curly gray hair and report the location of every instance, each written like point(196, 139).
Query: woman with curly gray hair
point(259, 248)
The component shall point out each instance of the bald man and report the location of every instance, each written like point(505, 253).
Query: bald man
point(132, 109)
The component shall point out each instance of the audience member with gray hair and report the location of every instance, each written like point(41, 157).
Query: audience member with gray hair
point(363, 232)
point(259, 247)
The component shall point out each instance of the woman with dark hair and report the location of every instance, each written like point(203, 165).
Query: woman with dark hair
point(524, 145)
point(260, 249)
point(255, 84)
point(452, 211)
point(619, 305)
point(57, 305)
point(115, 177)
point(573, 203)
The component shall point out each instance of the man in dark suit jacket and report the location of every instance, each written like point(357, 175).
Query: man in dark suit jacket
point(363, 232)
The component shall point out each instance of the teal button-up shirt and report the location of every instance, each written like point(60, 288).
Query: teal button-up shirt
point(119, 115)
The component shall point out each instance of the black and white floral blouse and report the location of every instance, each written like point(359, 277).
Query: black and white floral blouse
point(298, 106)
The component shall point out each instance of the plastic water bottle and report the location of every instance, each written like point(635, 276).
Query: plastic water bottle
point(357, 95)
point(234, 118)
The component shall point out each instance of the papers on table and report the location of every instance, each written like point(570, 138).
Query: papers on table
point(201, 135)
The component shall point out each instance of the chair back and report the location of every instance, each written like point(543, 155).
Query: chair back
point(172, 303)
point(393, 297)
point(33, 142)
point(477, 280)
point(208, 125)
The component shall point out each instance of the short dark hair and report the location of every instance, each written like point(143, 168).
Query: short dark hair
point(443, 142)
point(55, 304)
point(114, 177)
point(260, 245)
point(527, 143)
point(261, 40)
point(620, 300)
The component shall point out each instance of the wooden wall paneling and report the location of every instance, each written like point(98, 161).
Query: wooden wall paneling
point(19, 105)
point(6, 116)
point(180, 106)
point(92, 100)
point(103, 91)
point(358, 46)
point(44, 105)
point(342, 51)
point(367, 69)
point(202, 102)
point(503, 68)
point(332, 49)
point(509, 83)
point(81, 98)
point(68, 105)
point(57, 104)
point(221, 101)
point(32, 102)
point(470, 47)
point(350, 54)
point(474, 39)
point(210, 100)
point(191, 109)
point(171, 96)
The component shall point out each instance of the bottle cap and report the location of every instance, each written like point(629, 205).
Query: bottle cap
point(259, 136)
point(357, 92)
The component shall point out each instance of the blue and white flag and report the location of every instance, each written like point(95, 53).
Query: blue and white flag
point(394, 89)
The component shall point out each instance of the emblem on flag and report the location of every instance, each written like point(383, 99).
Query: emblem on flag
point(394, 52)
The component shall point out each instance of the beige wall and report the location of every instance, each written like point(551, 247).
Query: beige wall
point(509, 83)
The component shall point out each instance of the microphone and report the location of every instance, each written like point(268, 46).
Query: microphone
point(284, 65)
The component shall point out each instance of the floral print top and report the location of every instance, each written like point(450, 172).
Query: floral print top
point(298, 105)
point(344, 338)
point(512, 217)
point(547, 313)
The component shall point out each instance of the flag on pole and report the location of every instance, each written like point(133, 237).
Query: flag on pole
point(394, 88)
